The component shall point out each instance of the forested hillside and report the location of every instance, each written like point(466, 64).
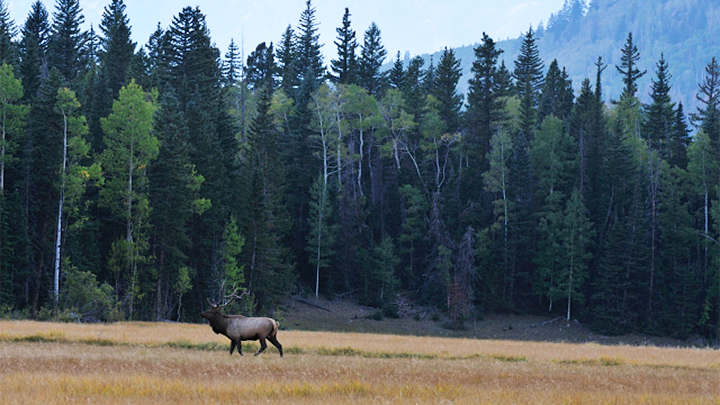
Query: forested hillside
point(137, 180)
point(685, 32)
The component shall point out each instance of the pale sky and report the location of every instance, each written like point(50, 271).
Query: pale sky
point(416, 26)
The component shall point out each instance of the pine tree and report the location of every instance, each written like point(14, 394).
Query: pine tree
point(445, 90)
point(552, 158)
point(66, 38)
point(680, 140)
point(484, 102)
point(158, 58)
point(372, 57)
point(232, 66)
point(581, 126)
point(529, 79)
point(414, 92)
point(660, 114)
point(396, 75)
point(33, 48)
point(8, 51)
point(557, 94)
point(12, 126)
point(117, 47)
point(308, 57)
point(117, 50)
point(174, 198)
point(707, 117)
point(261, 67)
point(265, 221)
point(628, 68)
point(40, 192)
point(285, 55)
point(345, 67)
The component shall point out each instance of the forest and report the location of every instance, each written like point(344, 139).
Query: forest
point(138, 181)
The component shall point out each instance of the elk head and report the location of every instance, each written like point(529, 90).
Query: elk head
point(216, 308)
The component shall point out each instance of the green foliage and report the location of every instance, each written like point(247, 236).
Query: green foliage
point(372, 56)
point(628, 68)
point(378, 183)
point(381, 273)
point(85, 299)
point(233, 273)
point(345, 68)
point(130, 147)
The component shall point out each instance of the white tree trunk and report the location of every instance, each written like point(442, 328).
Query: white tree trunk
point(58, 235)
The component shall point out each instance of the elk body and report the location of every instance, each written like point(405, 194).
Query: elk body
point(238, 328)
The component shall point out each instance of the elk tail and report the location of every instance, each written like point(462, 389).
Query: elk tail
point(276, 325)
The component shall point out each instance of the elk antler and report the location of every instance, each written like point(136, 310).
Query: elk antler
point(232, 297)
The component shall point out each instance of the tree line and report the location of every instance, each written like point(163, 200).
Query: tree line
point(135, 182)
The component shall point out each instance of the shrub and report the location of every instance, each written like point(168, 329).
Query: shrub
point(84, 299)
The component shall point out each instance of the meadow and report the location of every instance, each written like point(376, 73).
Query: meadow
point(159, 363)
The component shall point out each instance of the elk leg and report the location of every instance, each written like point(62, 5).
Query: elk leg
point(232, 347)
point(239, 347)
point(275, 343)
point(263, 345)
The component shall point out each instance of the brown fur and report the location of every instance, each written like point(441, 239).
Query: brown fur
point(238, 328)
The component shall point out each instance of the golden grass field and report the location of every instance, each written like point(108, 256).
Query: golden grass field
point(163, 363)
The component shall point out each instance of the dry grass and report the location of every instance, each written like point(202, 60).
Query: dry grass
point(159, 363)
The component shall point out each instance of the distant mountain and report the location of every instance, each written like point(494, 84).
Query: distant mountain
point(686, 31)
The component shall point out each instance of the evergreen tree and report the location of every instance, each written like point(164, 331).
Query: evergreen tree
point(33, 48)
point(66, 38)
point(12, 126)
point(345, 67)
point(40, 192)
point(232, 66)
point(397, 74)
point(174, 198)
point(429, 77)
point(557, 94)
point(581, 126)
point(414, 92)
point(628, 68)
point(382, 274)
point(8, 51)
point(158, 58)
point(551, 156)
point(285, 55)
point(265, 221)
point(195, 73)
point(372, 57)
point(529, 79)
point(484, 102)
point(680, 140)
point(117, 50)
point(117, 47)
point(308, 57)
point(660, 114)
point(261, 67)
point(445, 90)
point(707, 117)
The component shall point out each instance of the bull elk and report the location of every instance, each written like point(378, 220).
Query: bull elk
point(238, 328)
